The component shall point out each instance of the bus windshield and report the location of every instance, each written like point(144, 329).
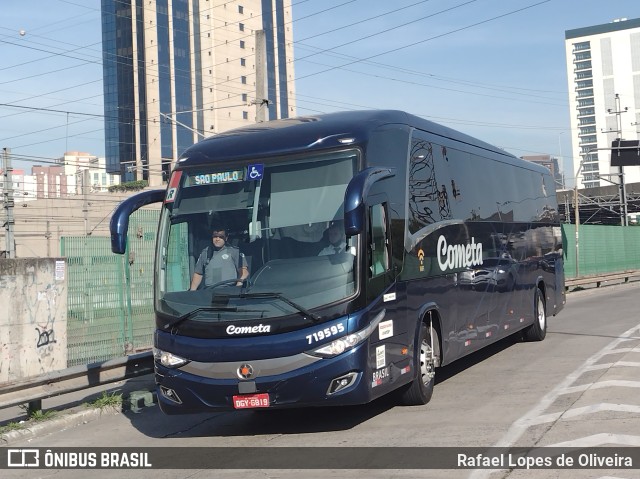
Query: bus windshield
point(281, 219)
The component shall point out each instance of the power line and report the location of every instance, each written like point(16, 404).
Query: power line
point(450, 32)
point(363, 60)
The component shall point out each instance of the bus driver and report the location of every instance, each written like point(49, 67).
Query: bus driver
point(219, 262)
point(337, 240)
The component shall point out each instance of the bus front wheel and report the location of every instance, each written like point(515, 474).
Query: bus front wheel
point(420, 390)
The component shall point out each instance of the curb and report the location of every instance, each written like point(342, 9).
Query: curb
point(134, 402)
point(66, 420)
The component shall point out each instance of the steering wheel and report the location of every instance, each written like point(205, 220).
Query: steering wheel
point(224, 282)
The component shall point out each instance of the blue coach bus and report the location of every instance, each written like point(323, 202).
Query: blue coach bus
point(450, 244)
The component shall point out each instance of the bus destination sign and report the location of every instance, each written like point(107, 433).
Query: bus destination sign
point(231, 176)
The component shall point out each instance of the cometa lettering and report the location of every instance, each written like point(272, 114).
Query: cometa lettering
point(457, 256)
point(260, 328)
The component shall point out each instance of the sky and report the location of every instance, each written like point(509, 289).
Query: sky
point(493, 69)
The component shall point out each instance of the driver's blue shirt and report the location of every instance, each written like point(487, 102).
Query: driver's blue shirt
point(224, 264)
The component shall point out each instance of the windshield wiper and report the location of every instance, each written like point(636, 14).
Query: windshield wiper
point(229, 309)
point(234, 309)
point(282, 298)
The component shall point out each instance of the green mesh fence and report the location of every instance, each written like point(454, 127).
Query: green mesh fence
point(602, 249)
point(110, 296)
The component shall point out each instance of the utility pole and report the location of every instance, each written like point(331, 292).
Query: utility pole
point(623, 191)
point(8, 202)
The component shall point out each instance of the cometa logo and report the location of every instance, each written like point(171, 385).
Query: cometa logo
point(458, 255)
point(260, 328)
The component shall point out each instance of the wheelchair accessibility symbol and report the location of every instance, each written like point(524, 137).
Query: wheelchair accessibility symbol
point(255, 172)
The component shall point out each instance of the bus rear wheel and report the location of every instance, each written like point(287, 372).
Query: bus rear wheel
point(420, 390)
point(538, 330)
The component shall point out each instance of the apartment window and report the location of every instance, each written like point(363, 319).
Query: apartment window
point(588, 130)
point(581, 46)
point(586, 111)
point(245, 97)
point(243, 80)
point(241, 27)
point(586, 149)
point(240, 9)
point(245, 115)
point(584, 74)
point(242, 44)
point(583, 65)
point(583, 93)
point(243, 62)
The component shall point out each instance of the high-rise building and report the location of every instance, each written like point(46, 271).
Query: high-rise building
point(603, 68)
point(176, 71)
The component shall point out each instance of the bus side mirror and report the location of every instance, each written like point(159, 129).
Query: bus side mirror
point(119, 225)
point(356, 195)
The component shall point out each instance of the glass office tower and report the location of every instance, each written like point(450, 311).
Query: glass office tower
point(176, 71)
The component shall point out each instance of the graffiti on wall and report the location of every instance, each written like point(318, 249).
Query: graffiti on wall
point(32, 318)
point(45, 337)
point(42, 301)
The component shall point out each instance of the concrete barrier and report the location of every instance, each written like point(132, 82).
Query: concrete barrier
point(33, 317)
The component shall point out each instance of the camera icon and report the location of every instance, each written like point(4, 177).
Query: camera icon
point(23, 458)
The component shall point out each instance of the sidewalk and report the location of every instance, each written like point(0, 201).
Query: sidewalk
point(71, 409)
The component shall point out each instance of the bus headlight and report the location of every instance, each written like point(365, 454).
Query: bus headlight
point(345, 343)
point(168, 360)
point(338, 346)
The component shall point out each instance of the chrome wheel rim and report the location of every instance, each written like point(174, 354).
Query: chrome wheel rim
point(427, 366)
point(542, 317)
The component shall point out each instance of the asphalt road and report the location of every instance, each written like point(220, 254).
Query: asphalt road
point(577, 388)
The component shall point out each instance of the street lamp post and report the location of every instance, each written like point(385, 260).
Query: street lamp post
point(561, 165)
point(623, 199)
point(576, 208)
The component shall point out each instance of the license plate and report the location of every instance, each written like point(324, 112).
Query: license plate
point(248, 401)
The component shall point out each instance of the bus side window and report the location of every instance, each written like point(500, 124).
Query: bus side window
point(378, 241)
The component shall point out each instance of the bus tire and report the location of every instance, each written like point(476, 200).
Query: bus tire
point(420, 390)
point(538, 330)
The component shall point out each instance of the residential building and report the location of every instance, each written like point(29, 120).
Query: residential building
point(603, 67)
point(87, 172)
point(176, 71)
point(20, 191)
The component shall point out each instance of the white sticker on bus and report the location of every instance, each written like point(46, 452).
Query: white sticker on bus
point(381, 360)
point(385, 329)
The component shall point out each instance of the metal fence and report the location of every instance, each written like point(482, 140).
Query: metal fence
point(110, 297)
point(603, 249)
